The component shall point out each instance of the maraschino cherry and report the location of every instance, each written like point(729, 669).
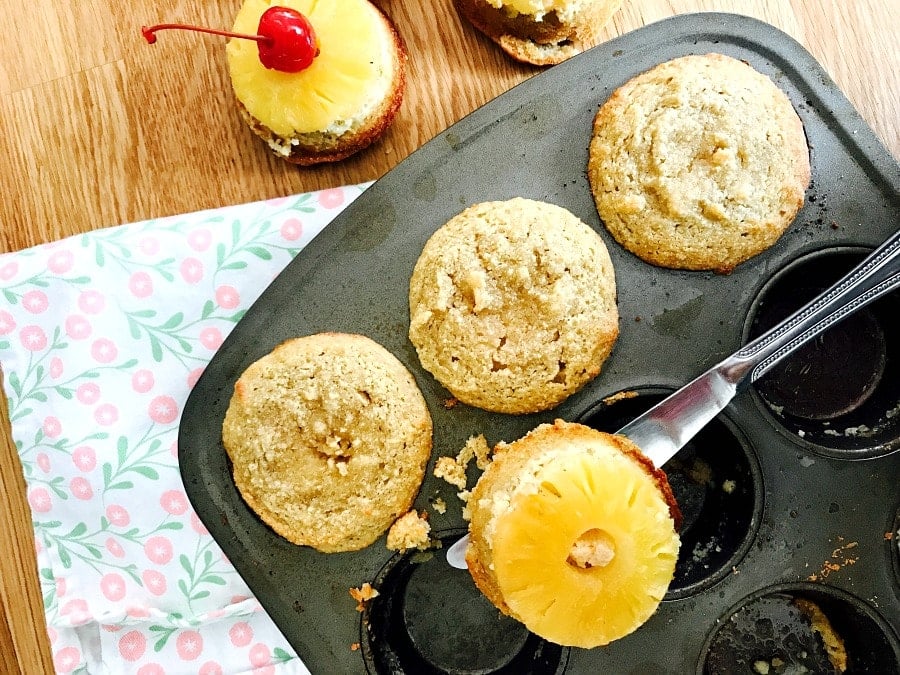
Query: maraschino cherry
point(285, 38)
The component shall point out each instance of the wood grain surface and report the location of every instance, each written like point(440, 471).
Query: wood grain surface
point(98, 128)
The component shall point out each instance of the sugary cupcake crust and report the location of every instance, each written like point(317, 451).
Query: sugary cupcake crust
point(699, 163)
point(328, 436)
point(513, 305)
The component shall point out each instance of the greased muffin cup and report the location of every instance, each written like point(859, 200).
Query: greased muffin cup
point(804, 518)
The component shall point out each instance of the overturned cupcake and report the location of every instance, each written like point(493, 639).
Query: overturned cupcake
point(344, 96)
point(542, 32)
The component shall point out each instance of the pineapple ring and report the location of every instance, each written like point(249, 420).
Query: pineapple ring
point(597, 501)
point(352, 70)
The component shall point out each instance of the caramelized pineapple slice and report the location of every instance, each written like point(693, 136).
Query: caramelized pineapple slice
point(351, 72)
point(586, 557)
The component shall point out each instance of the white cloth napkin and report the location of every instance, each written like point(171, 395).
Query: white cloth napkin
point(102, 336)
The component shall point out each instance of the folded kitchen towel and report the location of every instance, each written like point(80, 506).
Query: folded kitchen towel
point(102, 336)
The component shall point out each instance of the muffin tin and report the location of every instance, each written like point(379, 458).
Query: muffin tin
point(784, 498)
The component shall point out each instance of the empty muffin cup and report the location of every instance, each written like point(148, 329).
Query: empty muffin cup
point(839, 394)
point(717, 483)
point(800, 628)
point(429, 618)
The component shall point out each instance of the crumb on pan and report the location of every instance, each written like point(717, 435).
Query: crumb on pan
point(362, 595)
point(453, 470)
point(439, 505)
point(409, 531)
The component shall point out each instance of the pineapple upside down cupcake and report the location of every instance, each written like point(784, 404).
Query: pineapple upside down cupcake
point(341, 101)
point(573, 533)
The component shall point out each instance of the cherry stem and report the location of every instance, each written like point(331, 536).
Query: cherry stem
point(149, 32)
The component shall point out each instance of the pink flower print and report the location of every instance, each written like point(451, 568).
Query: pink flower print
point(158, 549)
point(137, 612)
point(197, 525)
point(43, 461)
point(60, 586)
point(88, 393)
point(151, 669)
point(104, 350)
point(33, 338)
point(163, 410)
point(52, 634)
point(106, 414)
point(40, 500)
point(227, 297)
point(331, 199)
point(191, 270)
point(52, 427)
point(193, 377)
point(92, 302)
point(149, 245)
point(9, 270)
point(174, 502)
point(140, 284)
point(210, 668)
point(67, 659)
point(132, 645)
point(241, 634)
point(260, 655)
point(112, 586)
point(199, 239)
point(154, 582)
point(115, 548)
point(211, 337)
point(61, 262)
point(189, 645)
point(235, 599)
point(276, 201)
point(77, 327)
point(7, 323)
point(292, 229)
point(84, 458)
point(173, 449)
point(142, 381)
point(110, 628)
point(77, 611)
point(56, 367)
point(35, 302)
point(80, 488)
point(117, 515)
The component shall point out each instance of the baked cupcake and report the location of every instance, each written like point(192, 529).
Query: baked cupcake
point(513, 305)
point(338, 105)
point(573, 533)
point(699, 163)
point(328, 437)
point(542, 32)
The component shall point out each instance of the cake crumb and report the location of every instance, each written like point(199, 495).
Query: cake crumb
point(450, 403)
point(439, 505)
point(362, 595)
point(622, 395)
point(354, 647)
point(453, 470)
point(450, 471)
point(728, 486)
point(409, 531)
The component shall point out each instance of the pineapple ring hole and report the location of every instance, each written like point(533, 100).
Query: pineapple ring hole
point(594, 548)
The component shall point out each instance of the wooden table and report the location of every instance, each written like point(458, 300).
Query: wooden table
point(97, 128)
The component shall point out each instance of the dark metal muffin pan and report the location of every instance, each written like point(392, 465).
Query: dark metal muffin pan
point(818, 517)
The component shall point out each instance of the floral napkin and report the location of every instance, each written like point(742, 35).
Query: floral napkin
point(102, 336)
